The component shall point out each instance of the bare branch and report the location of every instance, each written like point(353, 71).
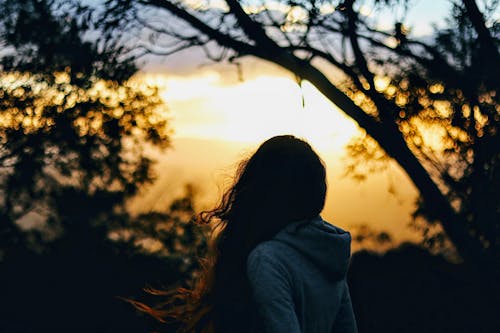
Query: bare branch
point(221, 38)
point(276, 24)
point(252, 29)
point(181, 46)
point(361, 62)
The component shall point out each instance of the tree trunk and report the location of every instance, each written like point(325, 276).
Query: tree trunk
point(485, 39)
point(392, 141)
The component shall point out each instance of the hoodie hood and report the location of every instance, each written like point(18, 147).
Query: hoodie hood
point(327, 246)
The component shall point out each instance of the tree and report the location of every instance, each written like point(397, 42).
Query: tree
point(72, 125)
point(399, 89)
point(74, 128)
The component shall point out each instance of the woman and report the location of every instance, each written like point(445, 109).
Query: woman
point(275, 265)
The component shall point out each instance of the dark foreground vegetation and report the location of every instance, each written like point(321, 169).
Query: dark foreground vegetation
point(80, 289)
point(410, 290)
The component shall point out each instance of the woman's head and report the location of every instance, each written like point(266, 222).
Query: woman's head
point(286, 178)
point(283, 181)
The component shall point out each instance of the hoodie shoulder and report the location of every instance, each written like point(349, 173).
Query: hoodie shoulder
point(326, 246)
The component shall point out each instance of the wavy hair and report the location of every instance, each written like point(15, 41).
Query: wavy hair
point(282, 182)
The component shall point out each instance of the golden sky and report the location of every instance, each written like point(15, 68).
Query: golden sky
point(218, 120)
point(204, 106)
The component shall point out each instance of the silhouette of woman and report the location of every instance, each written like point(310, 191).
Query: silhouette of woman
point(275, 265)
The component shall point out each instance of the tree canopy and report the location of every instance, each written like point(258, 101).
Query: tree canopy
point(75, 130)
point(431, 104)
point(72, 125)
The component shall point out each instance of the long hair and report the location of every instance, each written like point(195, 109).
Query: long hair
point(283, 181)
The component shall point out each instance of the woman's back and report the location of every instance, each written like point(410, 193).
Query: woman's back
point(298, 279)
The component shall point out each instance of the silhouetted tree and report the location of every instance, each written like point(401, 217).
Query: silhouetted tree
point(73, 124)
point(74, 130)
point(431, 104)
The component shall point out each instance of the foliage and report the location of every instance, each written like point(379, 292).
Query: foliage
point(171, 234)
point(431, 104)
point(451, 119)
point(369, 239)
point(76, 135)
point(73, 125)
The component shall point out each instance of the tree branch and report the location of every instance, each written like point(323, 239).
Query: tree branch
point(328, 57)
point(352, 19)
point(221, 38)
point(486, 41)
point(253, 30)
point(386, 133)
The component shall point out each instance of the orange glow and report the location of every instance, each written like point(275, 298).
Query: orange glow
point(217, 123)
point(253, 110)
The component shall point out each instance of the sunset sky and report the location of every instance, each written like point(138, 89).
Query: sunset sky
point(218, 119)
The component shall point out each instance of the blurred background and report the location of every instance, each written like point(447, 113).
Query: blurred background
point(121, 120)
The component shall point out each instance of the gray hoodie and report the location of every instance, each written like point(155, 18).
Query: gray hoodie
point(298, 279)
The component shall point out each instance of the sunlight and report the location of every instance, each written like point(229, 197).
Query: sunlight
point(218, 121)
point(253, 110)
